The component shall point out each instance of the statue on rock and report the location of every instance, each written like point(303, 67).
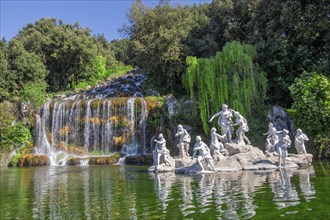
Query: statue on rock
point(216, 146)
point(272, 139)
point(204, 154)
point(283, 148)
point(242, 128)
point(184, 141)
point(225, 122)
point(300, 138)
point(161, 153)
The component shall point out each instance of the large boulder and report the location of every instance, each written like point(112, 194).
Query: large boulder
point(183, 162)
point(230, 164)
point(252, 154)
point(302, 160)
point(163, 166)
point(236, 148)
point(280, 119)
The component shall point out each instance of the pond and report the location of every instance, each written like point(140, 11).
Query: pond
point(129, 192)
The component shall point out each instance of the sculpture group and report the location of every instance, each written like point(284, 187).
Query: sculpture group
point(277, 143)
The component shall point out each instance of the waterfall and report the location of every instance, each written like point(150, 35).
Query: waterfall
point(90, 127)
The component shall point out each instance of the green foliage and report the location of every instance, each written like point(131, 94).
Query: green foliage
point(290, 36)
point(15, 159)
point(157, 37)
point(228, 77)
point(16, 135)
point(311, 107)
point(7, 80)
point(99, 67)
point(70, 53)
point(34, 93)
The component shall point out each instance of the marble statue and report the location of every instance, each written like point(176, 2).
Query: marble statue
point(161, 152)
point(224, 122)
point(242, 128)
point(204, 154)
point(300, 138)
point(184, 141)
point(283, 148)
point(272, 139)
point(216, 146)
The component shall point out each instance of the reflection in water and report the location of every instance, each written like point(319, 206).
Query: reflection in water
point(285, 193)
point(123, 192)
point(232, 193)
point(163, 183)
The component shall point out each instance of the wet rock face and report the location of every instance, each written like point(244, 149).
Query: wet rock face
point(124, 86)
point(280, 119)
point(144, 159)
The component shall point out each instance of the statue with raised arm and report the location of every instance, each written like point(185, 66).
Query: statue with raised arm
point(161, 151)
point(216, 146)
point(184, 141)
point(242, 128)
point(224, 121)
point(204, 154)
point(300, 138)
point(283, 148)
point(272, 139)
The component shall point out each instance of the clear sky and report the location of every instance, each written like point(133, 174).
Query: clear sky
point(101, 16)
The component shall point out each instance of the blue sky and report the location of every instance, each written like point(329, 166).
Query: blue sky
point(102, 16)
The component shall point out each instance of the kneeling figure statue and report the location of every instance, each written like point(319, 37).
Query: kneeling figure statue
point(203, 153)
point(161, 153)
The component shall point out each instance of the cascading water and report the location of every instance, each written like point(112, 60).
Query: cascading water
point(95, 122)
point(90, 127)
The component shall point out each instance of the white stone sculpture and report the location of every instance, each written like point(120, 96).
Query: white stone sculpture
point(216, 146)
point(184, 141)
point(161, 152)
point(204, 154)
point(225, 122)
point(272, 139)
point(283, 148)
point(300, 138)
point(242, 128)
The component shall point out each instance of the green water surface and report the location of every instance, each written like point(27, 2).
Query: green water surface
point(129, 192)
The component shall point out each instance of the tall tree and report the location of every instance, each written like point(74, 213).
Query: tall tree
point(157, 41)
point(290, 36)
point(228, 77)
point(67, 50)
point(7, 80)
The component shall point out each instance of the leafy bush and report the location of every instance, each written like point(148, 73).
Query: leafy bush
point(311, 109)
point(15, 159)
point(34, 93)
point(15, 136)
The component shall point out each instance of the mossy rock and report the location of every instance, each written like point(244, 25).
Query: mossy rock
point(102, 160)
point(32, 160)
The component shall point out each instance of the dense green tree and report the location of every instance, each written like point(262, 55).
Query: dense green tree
point(25, 66)
point(67, 51)
point(6, 78)
point(157, 40)
point(311, 109)
point(121, 50)
point(290, 36)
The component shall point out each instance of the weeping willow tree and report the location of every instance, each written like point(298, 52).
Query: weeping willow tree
point(228, 77)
